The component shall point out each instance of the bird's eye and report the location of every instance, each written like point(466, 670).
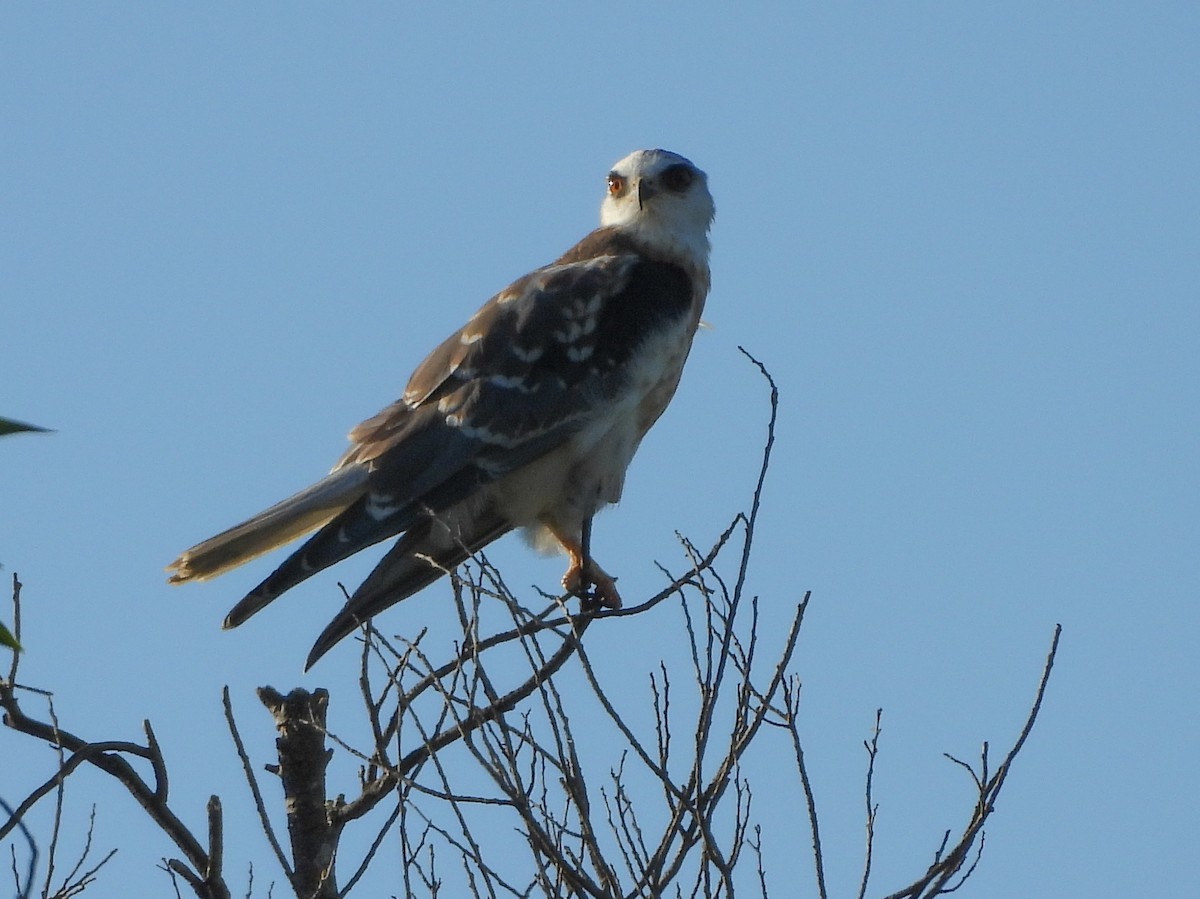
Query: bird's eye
point(616, 184)
point(677, 177)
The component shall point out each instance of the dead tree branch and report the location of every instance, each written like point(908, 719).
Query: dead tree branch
point(300, 720)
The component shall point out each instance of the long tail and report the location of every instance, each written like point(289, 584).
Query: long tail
point(356, 527)
point(280, 524)
point(425, 552)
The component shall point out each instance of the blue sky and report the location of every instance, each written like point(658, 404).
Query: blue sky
point(962, 237)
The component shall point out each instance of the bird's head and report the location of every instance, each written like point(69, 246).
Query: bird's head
point(660, 198)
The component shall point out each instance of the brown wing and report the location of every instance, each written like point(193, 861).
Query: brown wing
point(536, 363)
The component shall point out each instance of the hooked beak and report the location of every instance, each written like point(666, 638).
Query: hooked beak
point(646, 190)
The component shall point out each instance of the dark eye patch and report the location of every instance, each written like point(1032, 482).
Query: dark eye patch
point(677, 177)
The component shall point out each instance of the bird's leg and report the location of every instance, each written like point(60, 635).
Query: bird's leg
point(606, 585)
point(583, 572)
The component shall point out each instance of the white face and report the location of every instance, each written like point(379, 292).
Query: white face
point(650, 190)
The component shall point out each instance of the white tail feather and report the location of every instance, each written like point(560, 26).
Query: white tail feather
point(282, 523)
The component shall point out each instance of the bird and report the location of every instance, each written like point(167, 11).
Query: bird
point(525, 418)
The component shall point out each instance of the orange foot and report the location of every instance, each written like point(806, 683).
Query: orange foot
point(582, 570)
point(583, 573)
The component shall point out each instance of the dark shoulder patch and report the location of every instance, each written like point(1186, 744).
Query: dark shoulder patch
point(588, 319)
point(655, 294)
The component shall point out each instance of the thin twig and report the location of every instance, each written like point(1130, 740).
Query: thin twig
point(251, 780)
point(947, 865)
point(22, 892)
point(791, 698)
point(872, 747)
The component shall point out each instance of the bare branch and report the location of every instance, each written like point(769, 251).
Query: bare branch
point(872, 747)
point(22, 892)
point(248, 769)
point(945, 868)
point(791, 698)
point(77, 880)
point(300, 720)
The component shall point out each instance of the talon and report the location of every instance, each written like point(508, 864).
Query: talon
point(606, 592)
point(583, 574)
point(572, 580)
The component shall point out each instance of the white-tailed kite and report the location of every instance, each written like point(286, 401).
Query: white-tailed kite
point(527, 417)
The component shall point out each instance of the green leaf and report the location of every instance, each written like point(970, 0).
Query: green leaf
point(8, 426)
point(7, 639)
